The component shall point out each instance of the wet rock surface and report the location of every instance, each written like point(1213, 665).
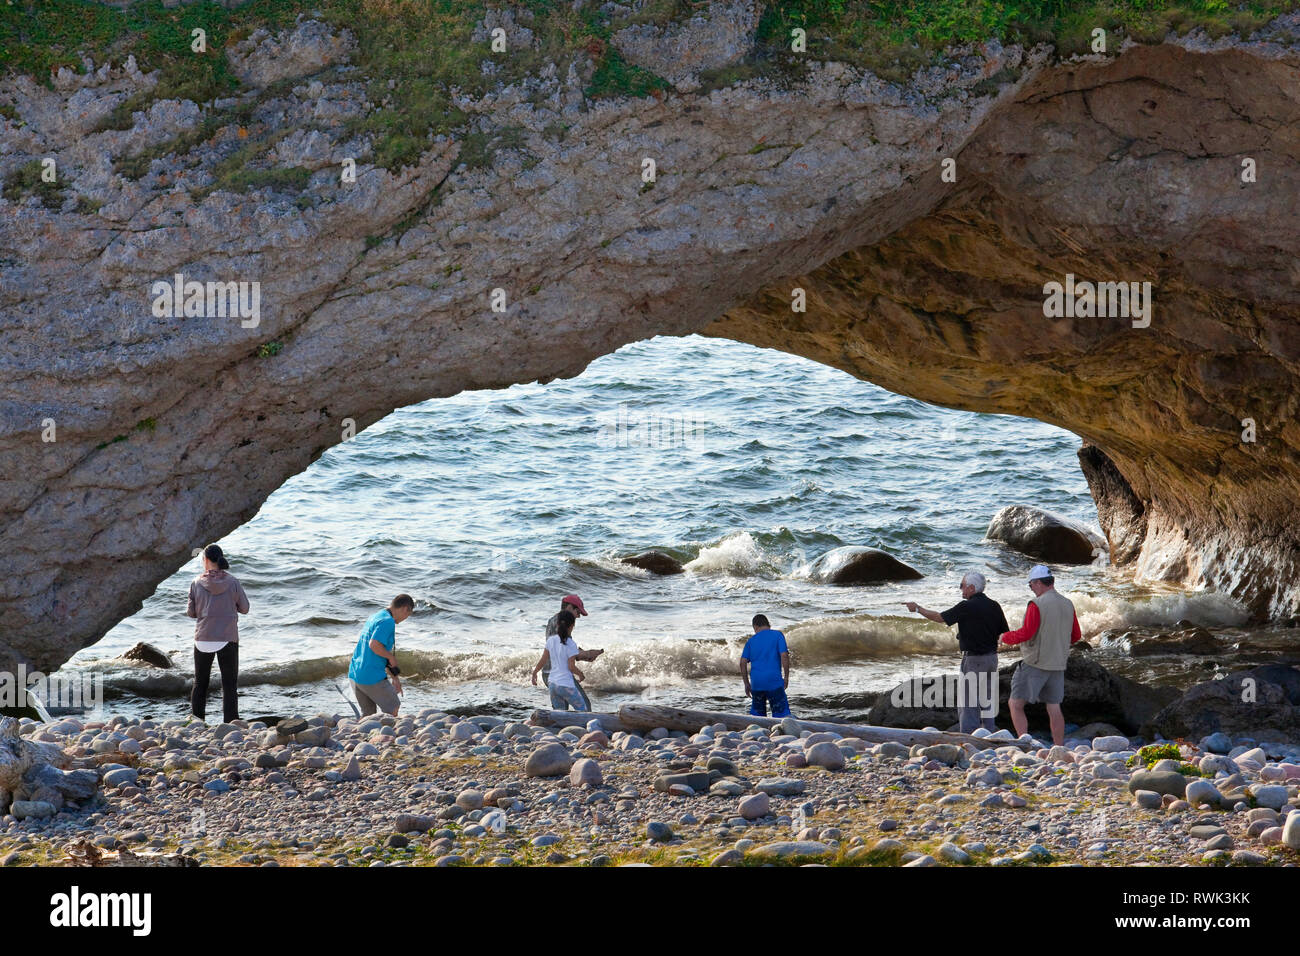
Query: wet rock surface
point(1041, 534)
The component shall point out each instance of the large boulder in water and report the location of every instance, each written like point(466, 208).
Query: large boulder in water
point(656, 562)
point(853, 565)
point(1263, 703)
point(1092, 694)
point(144, 653)
point(1043, 535)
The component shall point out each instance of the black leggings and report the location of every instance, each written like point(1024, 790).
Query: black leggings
point(228, 661)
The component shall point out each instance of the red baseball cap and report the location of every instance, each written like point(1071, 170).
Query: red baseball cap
point(575, 601)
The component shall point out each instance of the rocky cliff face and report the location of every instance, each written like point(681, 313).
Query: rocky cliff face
point(131, 436)
point(1128, 171)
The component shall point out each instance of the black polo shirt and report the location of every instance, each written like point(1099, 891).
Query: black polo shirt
point(980, 622)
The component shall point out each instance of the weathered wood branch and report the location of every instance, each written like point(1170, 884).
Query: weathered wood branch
point(649, 716)
point(575, 718)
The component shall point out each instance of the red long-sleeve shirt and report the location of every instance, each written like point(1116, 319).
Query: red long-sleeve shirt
point(1030, 627)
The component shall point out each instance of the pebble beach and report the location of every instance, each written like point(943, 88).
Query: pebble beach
point(433, 789)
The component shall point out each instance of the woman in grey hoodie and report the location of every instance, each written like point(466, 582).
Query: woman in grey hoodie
point(216, 600)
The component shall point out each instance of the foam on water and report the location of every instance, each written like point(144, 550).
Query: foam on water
point(736, 554)
point(1206, 608)
point(630, 666)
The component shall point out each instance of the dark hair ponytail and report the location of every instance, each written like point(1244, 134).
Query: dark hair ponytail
point(564, 622)
point(214, 554)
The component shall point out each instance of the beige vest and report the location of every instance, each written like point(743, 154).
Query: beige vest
point(1049, 649)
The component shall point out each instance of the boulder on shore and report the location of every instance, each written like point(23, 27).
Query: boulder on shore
point(656, 562)
point(1263, 702)
point(548, 760)
point(1092, 695)
point(825, 755)
point(791, 850)
point(1041, 534)
point(1158, 781)
point(854, 565)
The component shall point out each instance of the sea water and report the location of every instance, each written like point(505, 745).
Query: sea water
point(744, 463)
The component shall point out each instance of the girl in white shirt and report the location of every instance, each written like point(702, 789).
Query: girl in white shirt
point(561, 657)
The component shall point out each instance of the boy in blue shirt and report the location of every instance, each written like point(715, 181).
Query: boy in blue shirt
point(765, 667)
point(374, 659)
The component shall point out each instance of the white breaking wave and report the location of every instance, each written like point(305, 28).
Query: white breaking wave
point(1208, 608)
point(864, 637)
point(735, 554)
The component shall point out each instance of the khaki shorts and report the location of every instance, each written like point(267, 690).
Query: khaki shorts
point(1037, 686)
point(379, 696)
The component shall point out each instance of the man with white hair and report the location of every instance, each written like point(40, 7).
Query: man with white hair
point(980, 622)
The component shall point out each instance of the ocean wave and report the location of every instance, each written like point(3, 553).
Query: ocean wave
point(626, 666)
point(867, 637)
point(1206, 608)
point(737, 554)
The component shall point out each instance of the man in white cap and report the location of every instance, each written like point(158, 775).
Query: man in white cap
point(1050, 627)
point(573, 604)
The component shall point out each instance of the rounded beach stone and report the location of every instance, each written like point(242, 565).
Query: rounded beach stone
point(1147, 799)
point(1273, 796)
point(825, 755)
point(1290, 835)
point(658, 832)
point(548, 760)
point(1110, 745)
point(585, 772)
point(1201, 792)
point(753, 807)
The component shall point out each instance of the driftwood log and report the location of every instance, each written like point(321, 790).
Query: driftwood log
point(639, 718)
point(85, 853)
point(33, 771)
point(650, 716)
point(578, 718)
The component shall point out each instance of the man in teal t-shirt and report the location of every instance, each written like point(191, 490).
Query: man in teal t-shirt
point(765, 667)
point(374, 659)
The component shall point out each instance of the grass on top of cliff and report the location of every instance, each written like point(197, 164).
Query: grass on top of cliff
point(413, 54)
point(881, 35)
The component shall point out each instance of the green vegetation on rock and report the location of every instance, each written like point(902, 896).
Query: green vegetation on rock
point(1152, 754)
point(417, 56)
point(27, 180)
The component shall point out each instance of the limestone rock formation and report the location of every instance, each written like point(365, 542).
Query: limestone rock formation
point(720, 34)
point(132, 432)
point(262, 59)
point(1123, 170)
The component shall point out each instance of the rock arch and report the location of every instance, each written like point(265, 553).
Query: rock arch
point(173, 431)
